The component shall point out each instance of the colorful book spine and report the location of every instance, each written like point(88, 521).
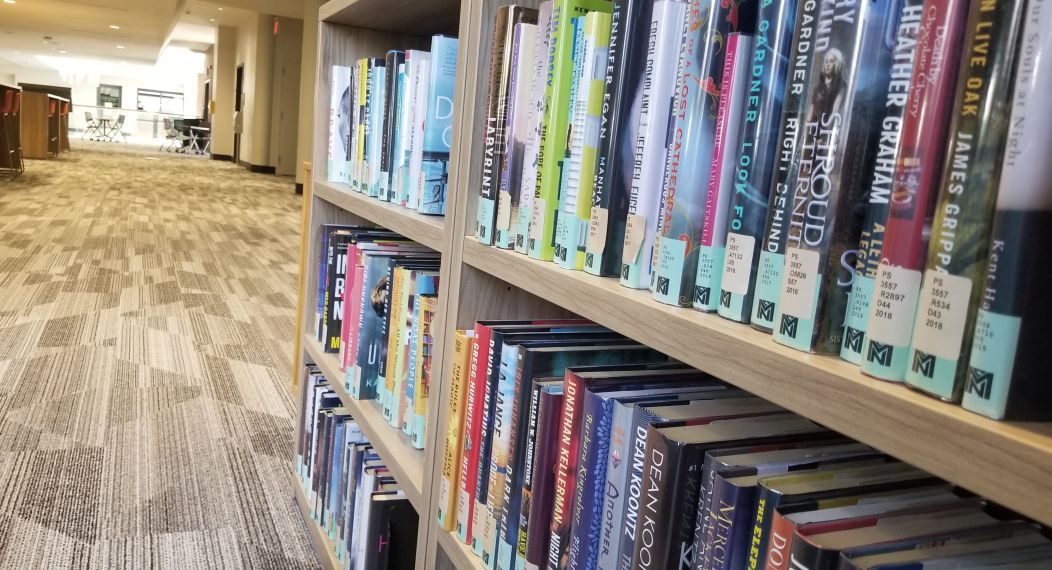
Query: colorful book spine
point(378, 78)
point(768, 283)
point(394, 60)
point(952, 286)
point(339, 124)
point(500, 450)
point(402, 130)
point(421, 77)
point(457, 404)
point(542, 485)
point(919, 166)
point(358, 173)
point(667, 27)
point(841, 132)
point(723, 173)
point(438, 127)
point(1008, 353)
point(479, 374)
point(425, 362)
point(576, 202)
point(394, 319)
point(535, 118)
point(616, 475)
point(551, 156)
point(352, 142)
point(591, 463)
point(756, 155)
point(524, 51)
point(871, 242)
point(496, 128)
point(570, 172)
point(689, 152)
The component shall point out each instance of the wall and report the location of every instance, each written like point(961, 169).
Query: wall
point(284, 115)
point(223, 90)
point(308, 77)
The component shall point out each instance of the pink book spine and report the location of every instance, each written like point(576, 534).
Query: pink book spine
point(718, 146)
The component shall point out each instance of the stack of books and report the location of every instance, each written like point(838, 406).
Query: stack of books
point(856, 179)
point(391, 123)
point(350, 493)
point(570, 446)
point(377, 297)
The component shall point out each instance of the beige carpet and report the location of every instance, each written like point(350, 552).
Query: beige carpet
point(146, 318)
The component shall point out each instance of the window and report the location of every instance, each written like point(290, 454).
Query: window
point(109, 96)
point(153, 101)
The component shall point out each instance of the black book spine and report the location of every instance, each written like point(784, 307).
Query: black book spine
point(522, 409)
point(529, 452)
point(488, 184)
point(655, 527)
point(335, 293)
point(393, 60)
point(385, 322)
point(630, 31)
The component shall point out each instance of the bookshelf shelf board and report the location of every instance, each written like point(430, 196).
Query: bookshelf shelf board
point(459, 553)
point(1007, 462)
point(322, 545)
point(405, 462)
point(402, 16)
point(427, 230)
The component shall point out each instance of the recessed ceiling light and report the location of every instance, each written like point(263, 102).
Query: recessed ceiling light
point(220, 8)
point(211, 19)
point(61, 51)
point(9, 1)
point(120, 47)
point(114, 27)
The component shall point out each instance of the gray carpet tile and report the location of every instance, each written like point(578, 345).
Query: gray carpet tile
point(147, 306)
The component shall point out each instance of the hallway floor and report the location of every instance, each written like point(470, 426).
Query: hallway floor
point(146, 316)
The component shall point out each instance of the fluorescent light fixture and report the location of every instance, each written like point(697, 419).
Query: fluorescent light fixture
point(9, 1)
point(114, 27)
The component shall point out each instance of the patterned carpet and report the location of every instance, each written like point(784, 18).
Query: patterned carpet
point(146, 318)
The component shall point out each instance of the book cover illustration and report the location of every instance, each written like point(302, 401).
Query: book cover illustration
point(570, 171)
point(339, 124)
point(535, 120)
point(438, 127)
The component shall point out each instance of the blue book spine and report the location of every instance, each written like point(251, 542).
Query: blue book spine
point(616, 475)
point(334, 478)
point(505, 396)
point(586, 530)
point(438, 128)
point(410, 388)
point(735, 524)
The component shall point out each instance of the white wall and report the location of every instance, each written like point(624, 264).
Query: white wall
point(284, 114)
point(223, 78)
point(308, 77)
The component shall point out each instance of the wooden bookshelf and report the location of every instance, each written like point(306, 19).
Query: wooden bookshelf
point(322, 545)
point(406, 463)
point(427, 230)
point(459, 554)
point(402, 16)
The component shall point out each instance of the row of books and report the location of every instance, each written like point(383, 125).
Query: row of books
point(391, 124)
point(862, 179)
point(377, 297)
point(569, 446)
point(349, 491)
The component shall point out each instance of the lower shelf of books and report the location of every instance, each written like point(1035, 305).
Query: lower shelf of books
point(458, 553)
point(406, 462)
point(322, 545)
point(1009, 462)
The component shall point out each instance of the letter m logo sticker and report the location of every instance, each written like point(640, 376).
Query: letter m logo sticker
point(662, 285)
point(924, 364)
point(790, 324)
point(980, 383)
point(765, 310)
point(701, 295)
point(853, 340)
point(880, 353)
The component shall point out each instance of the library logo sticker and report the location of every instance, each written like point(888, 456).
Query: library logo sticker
point(701, 295)
point(519, 241)
point(924, 364)
point(482, 232)
point(790, 324)
point(725, 299)
point(589, 260)
point(662, 285)
point(880, 353)
point(853, 340)
point(765, 310)
point(980, 383)
point(624, 271)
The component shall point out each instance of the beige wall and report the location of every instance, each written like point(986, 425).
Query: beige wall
point(284, 114)
point(223, 73)
point(308, 77)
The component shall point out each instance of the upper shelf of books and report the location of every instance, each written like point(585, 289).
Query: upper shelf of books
point(1010, 463)
point(423, 229)
point(401, 16)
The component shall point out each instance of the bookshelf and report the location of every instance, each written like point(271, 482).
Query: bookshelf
point(1010, 463)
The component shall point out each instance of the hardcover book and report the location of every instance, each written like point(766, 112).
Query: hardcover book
point(375, 113)
point(420, 77)
point(438, 127)
point(447, 491)
point(655, 104)
point(339, 124)
point(394, 59)
point(535, 118)
point(953, 277)
point(535, 513)
point(523, 56)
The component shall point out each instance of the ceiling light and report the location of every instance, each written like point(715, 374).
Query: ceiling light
point(120, 47)
point(9, 1)
point(220, 8)
point(61, 51)
point(114, 27)
point(211, 19)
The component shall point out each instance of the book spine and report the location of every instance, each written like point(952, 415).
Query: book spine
point(535, 118)
point(339, 117)
point(703, 528)
point(633, 490)
point(667, 28)
point(359, 150)
point(735, 527)
point(438, 128)
point(472, 434)
point(723, 174)
point(408, 407)
point(952, 286)
point(690, 148)
point(393, 59)
point(840, 140)
point(573, 221)
point(459, 376)
point(551, 156)
point(565, 473)
point(871, 243)
point(525, 476)
point(757, 153)
point(523, 432)
point(334, 296)
point(542, 486)
point(812, 15)
point(626, 62)
point(591, 477)
point(352, 148)
point(570, 173)
point(422, 77)
point(502, 417)
point(656, 533)
point(422, 392)
point(401, 131)
point(319, 291)
point(780, 546)
point(919, 166)
point(489, 410)
point(613, 497)
point(376, 126)
point(498, 73)
point(760, 535)
point(394, 324)
point(345, 312)
point(523, 53)
point(1007, 352)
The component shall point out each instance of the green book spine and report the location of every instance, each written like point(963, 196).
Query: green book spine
point(551, 158)
point(952, 286)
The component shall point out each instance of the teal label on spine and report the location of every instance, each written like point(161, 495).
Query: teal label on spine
point(487, 210)
point(572, 235)
point(856, 319)
point(562, 239)
point(632, 273)
point(993, 357)
point(885, 361)
point(732, 306)
point(931, 373)
point(671, 254)
point(796, 331)
point(768, 288)
point(522, 225)
point(593, 262)
point(710, 273)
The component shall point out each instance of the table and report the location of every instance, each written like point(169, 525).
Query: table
point(103, 129)
point(196, 135)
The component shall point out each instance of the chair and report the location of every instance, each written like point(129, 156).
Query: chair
point(117, 129)
point(172, 136)
point(92, 127)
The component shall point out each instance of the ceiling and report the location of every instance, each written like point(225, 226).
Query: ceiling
point(83, 28)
